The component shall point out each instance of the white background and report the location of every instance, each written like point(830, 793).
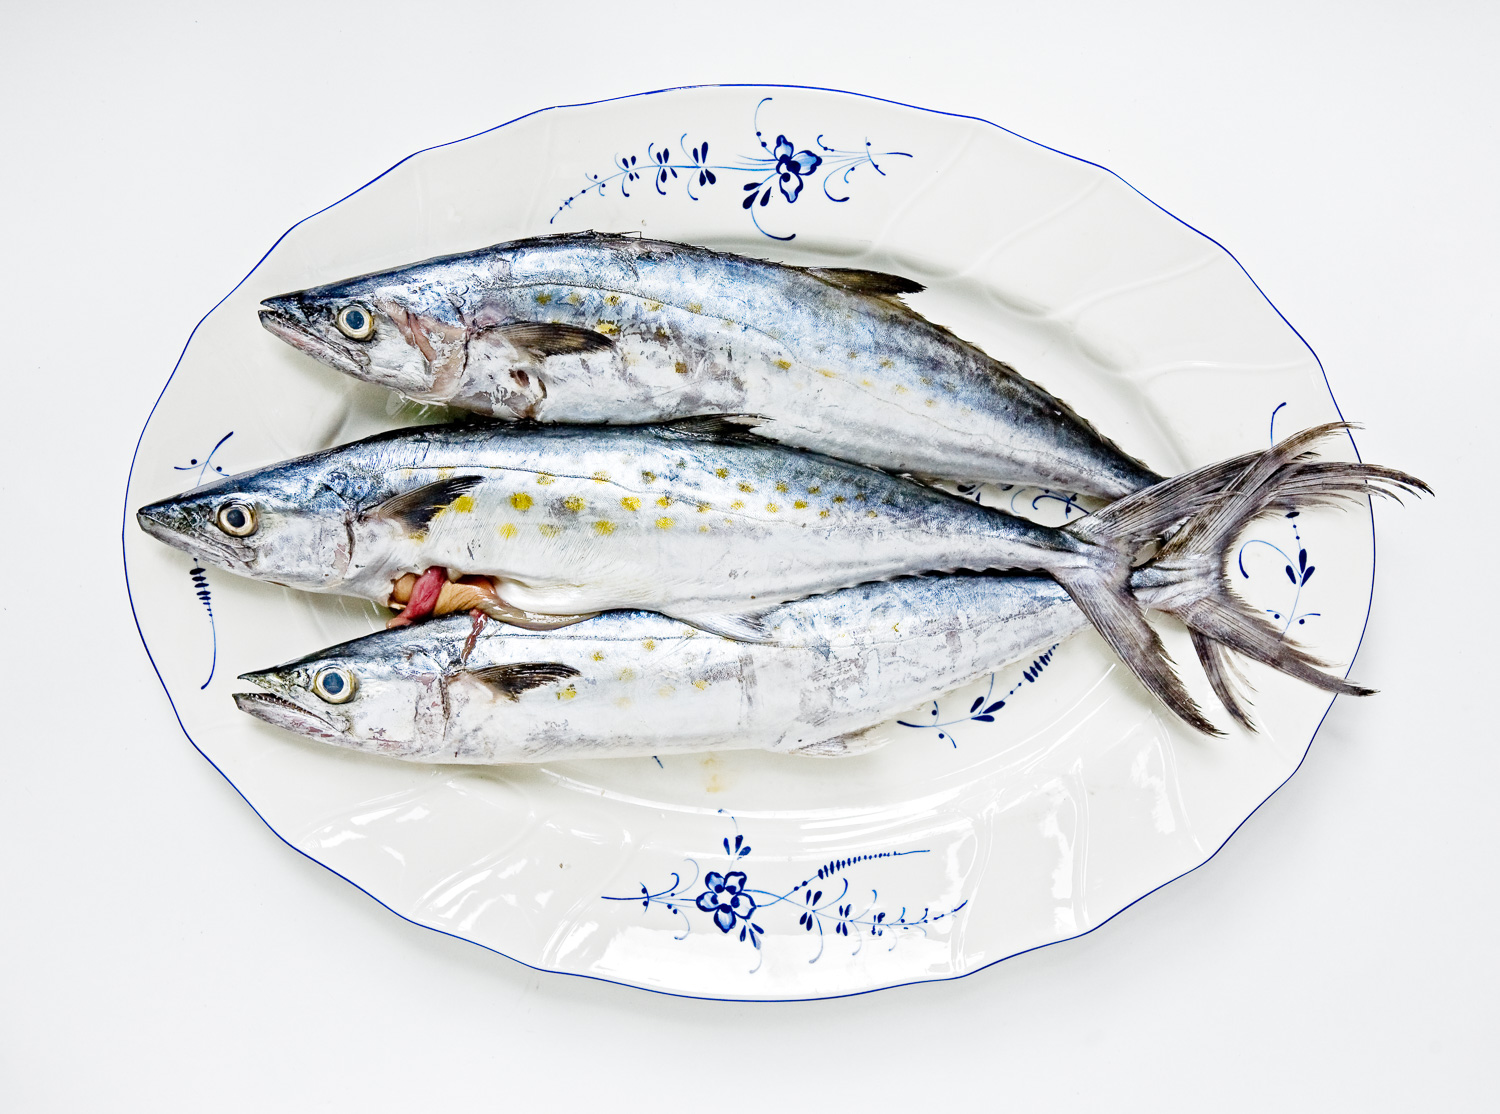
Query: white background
point(161, 950)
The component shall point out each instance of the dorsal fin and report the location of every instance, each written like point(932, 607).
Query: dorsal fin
point(416, 508)
point(510, 681)
point(876, 284)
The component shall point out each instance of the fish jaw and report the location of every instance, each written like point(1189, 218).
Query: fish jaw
point(282, 713)
point(278, 319)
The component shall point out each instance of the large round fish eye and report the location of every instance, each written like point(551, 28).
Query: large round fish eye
point(355, 322)
point(236, 519)
point(335, 684)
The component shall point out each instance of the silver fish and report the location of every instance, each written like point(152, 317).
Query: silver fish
point(695, 520)
point(834, 667)
point(589, 328)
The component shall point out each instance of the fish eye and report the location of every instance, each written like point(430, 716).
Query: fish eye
point(355, 322)
point(236, 519)
point(334, 684)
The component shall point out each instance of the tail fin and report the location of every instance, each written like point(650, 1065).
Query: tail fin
point(1207, 508)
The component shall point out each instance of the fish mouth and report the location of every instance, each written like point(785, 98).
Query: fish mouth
point(280, 712)
point(279, 323)
point(165, 525)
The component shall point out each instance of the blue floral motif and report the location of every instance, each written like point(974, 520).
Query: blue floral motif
point(781, 167)
point(1299, 570)
point(726, 898)
point(198, 574)
point(983, 709)
point(822, 902)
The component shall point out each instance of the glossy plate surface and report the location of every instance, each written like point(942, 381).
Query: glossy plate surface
point(1021, 811)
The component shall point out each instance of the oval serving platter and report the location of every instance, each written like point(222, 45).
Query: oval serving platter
point(1023, 810)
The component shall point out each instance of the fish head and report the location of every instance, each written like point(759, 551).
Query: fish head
point(398, 330)
point(382, 695)
point(279, 525)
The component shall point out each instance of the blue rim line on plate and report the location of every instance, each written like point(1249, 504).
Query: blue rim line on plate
point(126, 518)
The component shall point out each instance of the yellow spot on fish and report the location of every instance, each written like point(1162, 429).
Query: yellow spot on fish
point(853, 355)
point(929, 402)
point(815, 489)
point(521, 501)
point(604, 527)
point(722, 473)
point(737, 505)
point(630, 503)
point(772, 508)
point(695, 307)
point(627, 674)
point(800, 504)
point(574, 503)
point(680, 368)
point(464, 504)
point(730, 521)
point(865, 383)
point(548, 530)
point(870, 514)
point(543, 299)
point(545, 478)
point(444, 473)
point(649, 477)
point(703, 529)
point(838, 498)
point(822, 514)
point(886, 363)
point(926, 382)
point(826, 374)
point(653, 306)
point(664, 523)
point(664, 501)
point(859, 496)
point(781, 487)
point(900, 390)
point(575, 298)
point(608, 328)
point(598, 655)
point(700, 685)
point(611, 299)
point(649, 644)
point(508, 530)
point(784, 365)
point(705, 507)
point(743, 486)
point(600, 477)
point(568, 693)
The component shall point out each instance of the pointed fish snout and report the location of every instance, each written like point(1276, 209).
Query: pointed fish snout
point(292, 326)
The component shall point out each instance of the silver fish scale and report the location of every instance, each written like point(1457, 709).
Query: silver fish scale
point(585, 520)
point(852, 374)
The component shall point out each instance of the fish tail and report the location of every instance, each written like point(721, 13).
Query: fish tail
point(1200, 514)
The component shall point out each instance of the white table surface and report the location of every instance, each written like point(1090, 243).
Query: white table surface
point(161, 950)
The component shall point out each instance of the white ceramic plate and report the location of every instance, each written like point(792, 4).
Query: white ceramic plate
point(981, 831)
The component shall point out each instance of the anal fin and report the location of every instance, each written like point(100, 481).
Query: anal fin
point(738, 628)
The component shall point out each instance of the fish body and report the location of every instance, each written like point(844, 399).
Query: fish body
point(638, 683)
point(698, 520)
point(589, 328)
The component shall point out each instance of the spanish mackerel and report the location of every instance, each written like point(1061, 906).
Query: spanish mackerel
point(835, 666)
point(591, 328)
point(696, 520)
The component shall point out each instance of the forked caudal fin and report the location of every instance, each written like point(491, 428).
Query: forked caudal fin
point(1186, 577)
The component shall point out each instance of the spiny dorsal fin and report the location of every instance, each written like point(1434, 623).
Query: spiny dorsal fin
point(510, 681)
point(416, 508)
point(549, 338)
point(877, 284)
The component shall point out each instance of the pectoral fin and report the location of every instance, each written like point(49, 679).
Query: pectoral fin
point(510, 681)
point(545, 338)
point(414, 510)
